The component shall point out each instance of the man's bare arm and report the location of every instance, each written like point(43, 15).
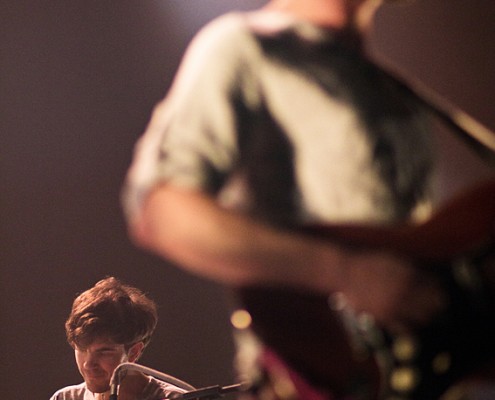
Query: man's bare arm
point(189, 228)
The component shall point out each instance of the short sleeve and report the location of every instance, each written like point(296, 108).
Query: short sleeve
point(191, 138)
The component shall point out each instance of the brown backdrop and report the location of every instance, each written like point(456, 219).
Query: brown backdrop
point(77, 82)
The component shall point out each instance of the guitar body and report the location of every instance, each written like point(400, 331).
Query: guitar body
point(457, 245)
point(301, 329)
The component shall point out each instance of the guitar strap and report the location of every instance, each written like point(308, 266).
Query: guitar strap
point(480, 137)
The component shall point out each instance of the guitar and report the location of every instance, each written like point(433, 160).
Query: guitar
point(457, 245)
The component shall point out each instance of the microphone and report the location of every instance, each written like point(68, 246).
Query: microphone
point(128, 366)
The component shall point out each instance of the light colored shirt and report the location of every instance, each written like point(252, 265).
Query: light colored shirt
point(154, 390)
point(278, 119)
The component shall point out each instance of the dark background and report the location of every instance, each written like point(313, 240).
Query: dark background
point(78, 80)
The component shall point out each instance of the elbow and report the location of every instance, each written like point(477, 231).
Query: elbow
point(150, 231)
point(139, 232)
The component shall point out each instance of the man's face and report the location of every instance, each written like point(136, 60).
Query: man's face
point(97, 362)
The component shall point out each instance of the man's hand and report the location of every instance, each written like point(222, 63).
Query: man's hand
point(393, 290)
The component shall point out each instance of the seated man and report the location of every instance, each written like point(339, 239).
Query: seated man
point(111, 323)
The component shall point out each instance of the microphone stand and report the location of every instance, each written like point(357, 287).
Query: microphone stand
point(207, 393)
point(115, 380)
point(210, 392)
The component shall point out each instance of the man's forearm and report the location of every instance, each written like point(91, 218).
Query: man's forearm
point(190, 229)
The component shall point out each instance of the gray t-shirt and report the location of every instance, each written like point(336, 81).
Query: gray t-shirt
point(154, 390)
point(276, 117)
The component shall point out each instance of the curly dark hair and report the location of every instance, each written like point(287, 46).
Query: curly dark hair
point(113, 310)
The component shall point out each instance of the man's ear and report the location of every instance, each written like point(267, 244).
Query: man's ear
point(135, 351)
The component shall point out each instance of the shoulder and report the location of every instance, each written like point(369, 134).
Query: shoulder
point(235, 26)
point(219, 53)
point(226, 36)
point(73, 392)
point(237, 34)
point(244, 37)
point(232, 23)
